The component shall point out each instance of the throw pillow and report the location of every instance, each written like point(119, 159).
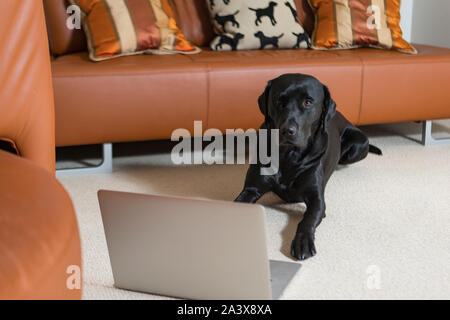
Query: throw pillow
point(117, 28)
point(256, 24)
point(346, 24)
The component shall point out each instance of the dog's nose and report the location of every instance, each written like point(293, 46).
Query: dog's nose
point(289, 131)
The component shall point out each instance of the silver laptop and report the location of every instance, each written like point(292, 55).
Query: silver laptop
point(190, 248)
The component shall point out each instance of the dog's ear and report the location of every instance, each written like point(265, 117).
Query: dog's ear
point(329, 107)
point(263, 100)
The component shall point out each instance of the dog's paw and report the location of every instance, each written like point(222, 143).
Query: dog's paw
point(303, 246)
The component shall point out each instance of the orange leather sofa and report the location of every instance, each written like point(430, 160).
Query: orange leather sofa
point(39, 237)
point(147, 97)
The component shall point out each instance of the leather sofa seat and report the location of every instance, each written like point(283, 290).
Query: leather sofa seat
point(126, 99)
point(236, 79)
point(147, 97)
point(39, 236)
point(399, 87)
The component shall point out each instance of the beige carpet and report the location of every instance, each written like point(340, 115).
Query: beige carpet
point(388, 218)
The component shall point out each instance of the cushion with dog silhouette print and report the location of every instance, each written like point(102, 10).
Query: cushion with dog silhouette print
point(256, 24)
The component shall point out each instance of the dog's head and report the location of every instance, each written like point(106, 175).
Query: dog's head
point(273, 4)
point(299, 106)
point(258, 34)
point(239, 36)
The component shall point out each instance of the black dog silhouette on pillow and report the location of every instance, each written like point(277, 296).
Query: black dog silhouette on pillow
point(232, 42)
point(212, 3)
point(222, 20)
point(267, 41)
point(265, 12)
point(300, 38)
point(293, 11)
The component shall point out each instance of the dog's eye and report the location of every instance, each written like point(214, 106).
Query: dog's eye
point(280, 102)
point(308, 103)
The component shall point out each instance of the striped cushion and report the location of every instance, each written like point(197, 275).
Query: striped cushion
point(123, 27)
point(345, 24)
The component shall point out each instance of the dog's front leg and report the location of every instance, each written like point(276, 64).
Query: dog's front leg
point(256, 185)
point(303, 244)
point(249, 195)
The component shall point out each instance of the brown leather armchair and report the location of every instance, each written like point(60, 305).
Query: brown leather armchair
point(39, 240)
point(26, 94)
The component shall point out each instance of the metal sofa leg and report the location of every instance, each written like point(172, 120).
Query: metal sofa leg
point(427, 138)
point(106, 166)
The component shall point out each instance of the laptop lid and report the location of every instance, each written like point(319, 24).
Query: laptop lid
point(187, 248)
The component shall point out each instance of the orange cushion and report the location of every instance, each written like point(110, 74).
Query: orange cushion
point(123, 27)
point(346, 24)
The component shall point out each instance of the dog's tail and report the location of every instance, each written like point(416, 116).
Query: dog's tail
point(375, 150)
point(281, 35)
point(253, 9)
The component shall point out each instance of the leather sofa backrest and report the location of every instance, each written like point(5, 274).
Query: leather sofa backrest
point(26, 96)
point(62, 39)
point(305, 15)
point(192, 17)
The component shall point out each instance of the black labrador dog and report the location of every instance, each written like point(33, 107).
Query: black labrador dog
point(314, 139)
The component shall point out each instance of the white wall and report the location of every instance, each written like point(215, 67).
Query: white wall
point(431, 22)
point(426, 21)
point(406, 13)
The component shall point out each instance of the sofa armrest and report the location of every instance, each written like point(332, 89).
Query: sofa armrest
point(40, 255)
